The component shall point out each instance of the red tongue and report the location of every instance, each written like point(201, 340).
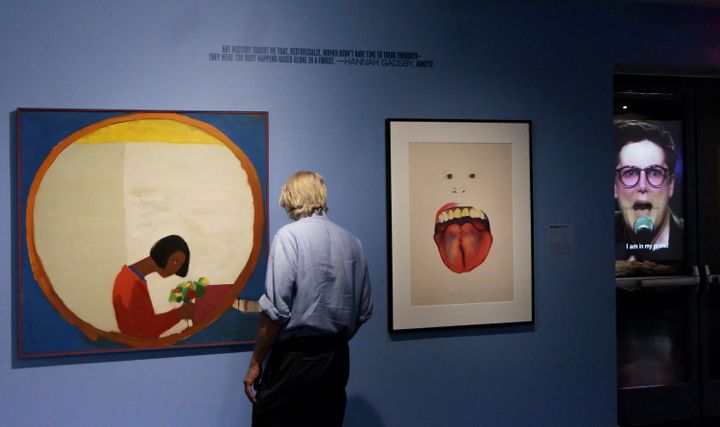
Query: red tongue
point(464, 246)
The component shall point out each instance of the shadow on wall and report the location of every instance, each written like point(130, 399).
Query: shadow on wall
point(361, 413)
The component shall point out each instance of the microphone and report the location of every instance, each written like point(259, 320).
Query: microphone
point(643, 228)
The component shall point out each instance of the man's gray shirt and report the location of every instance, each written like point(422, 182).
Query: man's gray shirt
point(317, 280)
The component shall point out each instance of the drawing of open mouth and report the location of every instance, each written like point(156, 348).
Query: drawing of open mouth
point(463, 237)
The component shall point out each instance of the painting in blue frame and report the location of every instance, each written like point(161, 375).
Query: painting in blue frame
point(139, 230)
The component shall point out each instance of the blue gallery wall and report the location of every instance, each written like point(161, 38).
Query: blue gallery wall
point(550, 63)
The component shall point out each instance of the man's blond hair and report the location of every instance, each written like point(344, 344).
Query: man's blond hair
point(304, 194)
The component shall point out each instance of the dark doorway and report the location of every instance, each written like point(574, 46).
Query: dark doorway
point(668, 311)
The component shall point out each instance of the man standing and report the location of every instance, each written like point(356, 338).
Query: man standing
point(645, 226)
point(317, 295)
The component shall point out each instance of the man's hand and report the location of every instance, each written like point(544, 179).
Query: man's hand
point(266, 334)
point(252, 376)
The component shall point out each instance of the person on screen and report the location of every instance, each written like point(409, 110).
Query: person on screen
point(645, 226)
point(134, 310)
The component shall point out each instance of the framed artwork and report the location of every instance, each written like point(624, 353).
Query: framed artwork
point(460, 223)
point(138, 230)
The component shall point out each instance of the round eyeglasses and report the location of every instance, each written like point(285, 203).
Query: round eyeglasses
point(655, 175)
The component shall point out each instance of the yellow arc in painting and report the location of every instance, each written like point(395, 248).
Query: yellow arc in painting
point(150, 130)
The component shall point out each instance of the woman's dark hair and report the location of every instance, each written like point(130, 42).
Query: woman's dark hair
point(163, 248)
point(629, 131)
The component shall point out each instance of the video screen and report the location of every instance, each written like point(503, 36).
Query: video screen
point(649, 225)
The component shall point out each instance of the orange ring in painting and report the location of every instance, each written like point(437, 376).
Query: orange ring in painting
point(91, 331)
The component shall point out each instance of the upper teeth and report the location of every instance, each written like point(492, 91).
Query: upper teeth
point(460, 213)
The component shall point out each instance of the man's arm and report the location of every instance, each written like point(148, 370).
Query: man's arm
point(366, 302)
point(266, 334)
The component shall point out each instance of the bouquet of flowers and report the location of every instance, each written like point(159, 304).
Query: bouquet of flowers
point(189, 290)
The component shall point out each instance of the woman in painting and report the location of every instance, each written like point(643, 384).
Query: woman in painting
point(133, 307)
